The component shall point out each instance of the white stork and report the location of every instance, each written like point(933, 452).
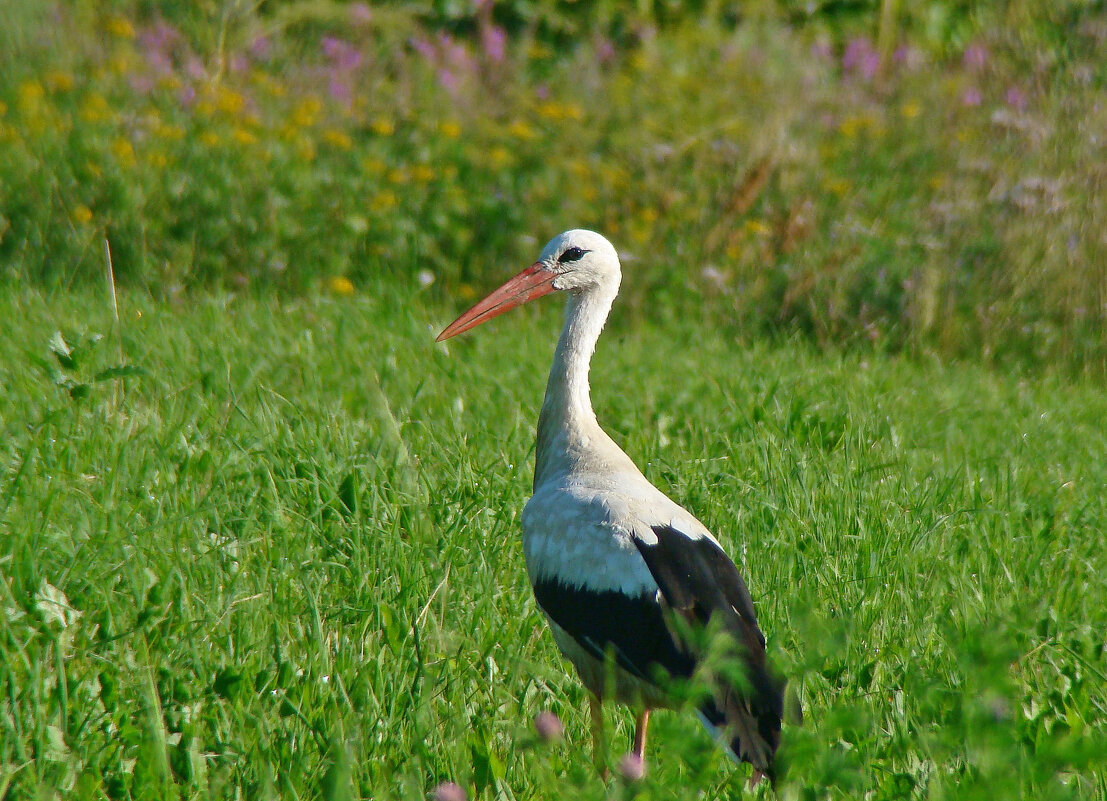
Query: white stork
point(623, 574)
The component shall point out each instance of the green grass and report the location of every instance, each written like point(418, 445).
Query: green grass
point(769, 171)
point(291, 556)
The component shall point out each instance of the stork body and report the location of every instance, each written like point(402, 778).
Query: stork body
point(612, 560)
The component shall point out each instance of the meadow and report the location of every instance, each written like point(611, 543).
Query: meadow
point(260, 534)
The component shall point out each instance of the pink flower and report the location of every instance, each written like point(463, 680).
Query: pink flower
point(186, 95)
point(1016, 98)
point(549, 726)
point(971, 97)
point(340, 90)
point(360, 13)
point(975, 57)
point(632, 768)
point(261, 48)
point(449, 791)
point(861, 58)
point(343, 56)
point(493, 39)
point(605, 50)
point(449, 81)
point(423, 48)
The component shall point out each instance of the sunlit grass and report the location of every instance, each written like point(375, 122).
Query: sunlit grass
point(286, 559)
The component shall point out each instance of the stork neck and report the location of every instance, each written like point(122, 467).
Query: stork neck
point(567, 423)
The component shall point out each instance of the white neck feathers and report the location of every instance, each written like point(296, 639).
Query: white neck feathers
point(567, 426)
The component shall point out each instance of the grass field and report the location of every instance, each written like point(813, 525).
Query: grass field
point(284, 560)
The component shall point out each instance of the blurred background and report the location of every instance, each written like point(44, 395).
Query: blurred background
point(922, 176)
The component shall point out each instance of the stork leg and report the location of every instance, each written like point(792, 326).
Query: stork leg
point(640, 734)
point(599, 751)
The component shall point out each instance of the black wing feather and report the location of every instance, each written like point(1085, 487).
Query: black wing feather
point(632, 627)
point(699, 581)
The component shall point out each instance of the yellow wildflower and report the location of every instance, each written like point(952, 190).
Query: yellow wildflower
point(521, 130)
point(123, 151)
point(157, 160)
point(209, 138)
point(450, 129)
point(81, 214)
point(579, 168)
point(120, 64)
point(852, 126)
point(374, 166)
point(500, 157)
point(937, 182)
point(382, 201)
point(340, 285)
point(397, 176)
point(59, 81)
point(910, 109)
point(422, 173)
point(243, 137)
point(306, 111)
point(121, 27)
point(837, 186)
point(305, 149)
point(550, 110)
point(30, 93)
point(382, 126)
point(165, 131)
point(467, 291)
point(3, 108)
point(537, 50)
point(229, 101)
point(757, 227)
point(338, 139)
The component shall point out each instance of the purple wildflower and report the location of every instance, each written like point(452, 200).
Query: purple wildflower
point(493, 40)
point(971, 97)
point(344, 56)
point(549, 726)
point(237, 63)
point(908, 57)
point(975, 57)
point(449, 791)
point(140, 84)
point(454, 53)
point(423, 48)
point(160, 36)
point(194, 68)
point(340, 90)
point(861, 58)
point(261, 48)
point(360, 13)
point(1016, 98)
point(449, 80)
point(159, 62)
point(542, 91)
point(186, 95)
point(605, 50)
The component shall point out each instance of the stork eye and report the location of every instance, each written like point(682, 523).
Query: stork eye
point(572, 254)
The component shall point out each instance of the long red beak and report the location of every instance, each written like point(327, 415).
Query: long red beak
point(531, 283)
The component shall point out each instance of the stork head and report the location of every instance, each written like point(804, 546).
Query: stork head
point(576, 261)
